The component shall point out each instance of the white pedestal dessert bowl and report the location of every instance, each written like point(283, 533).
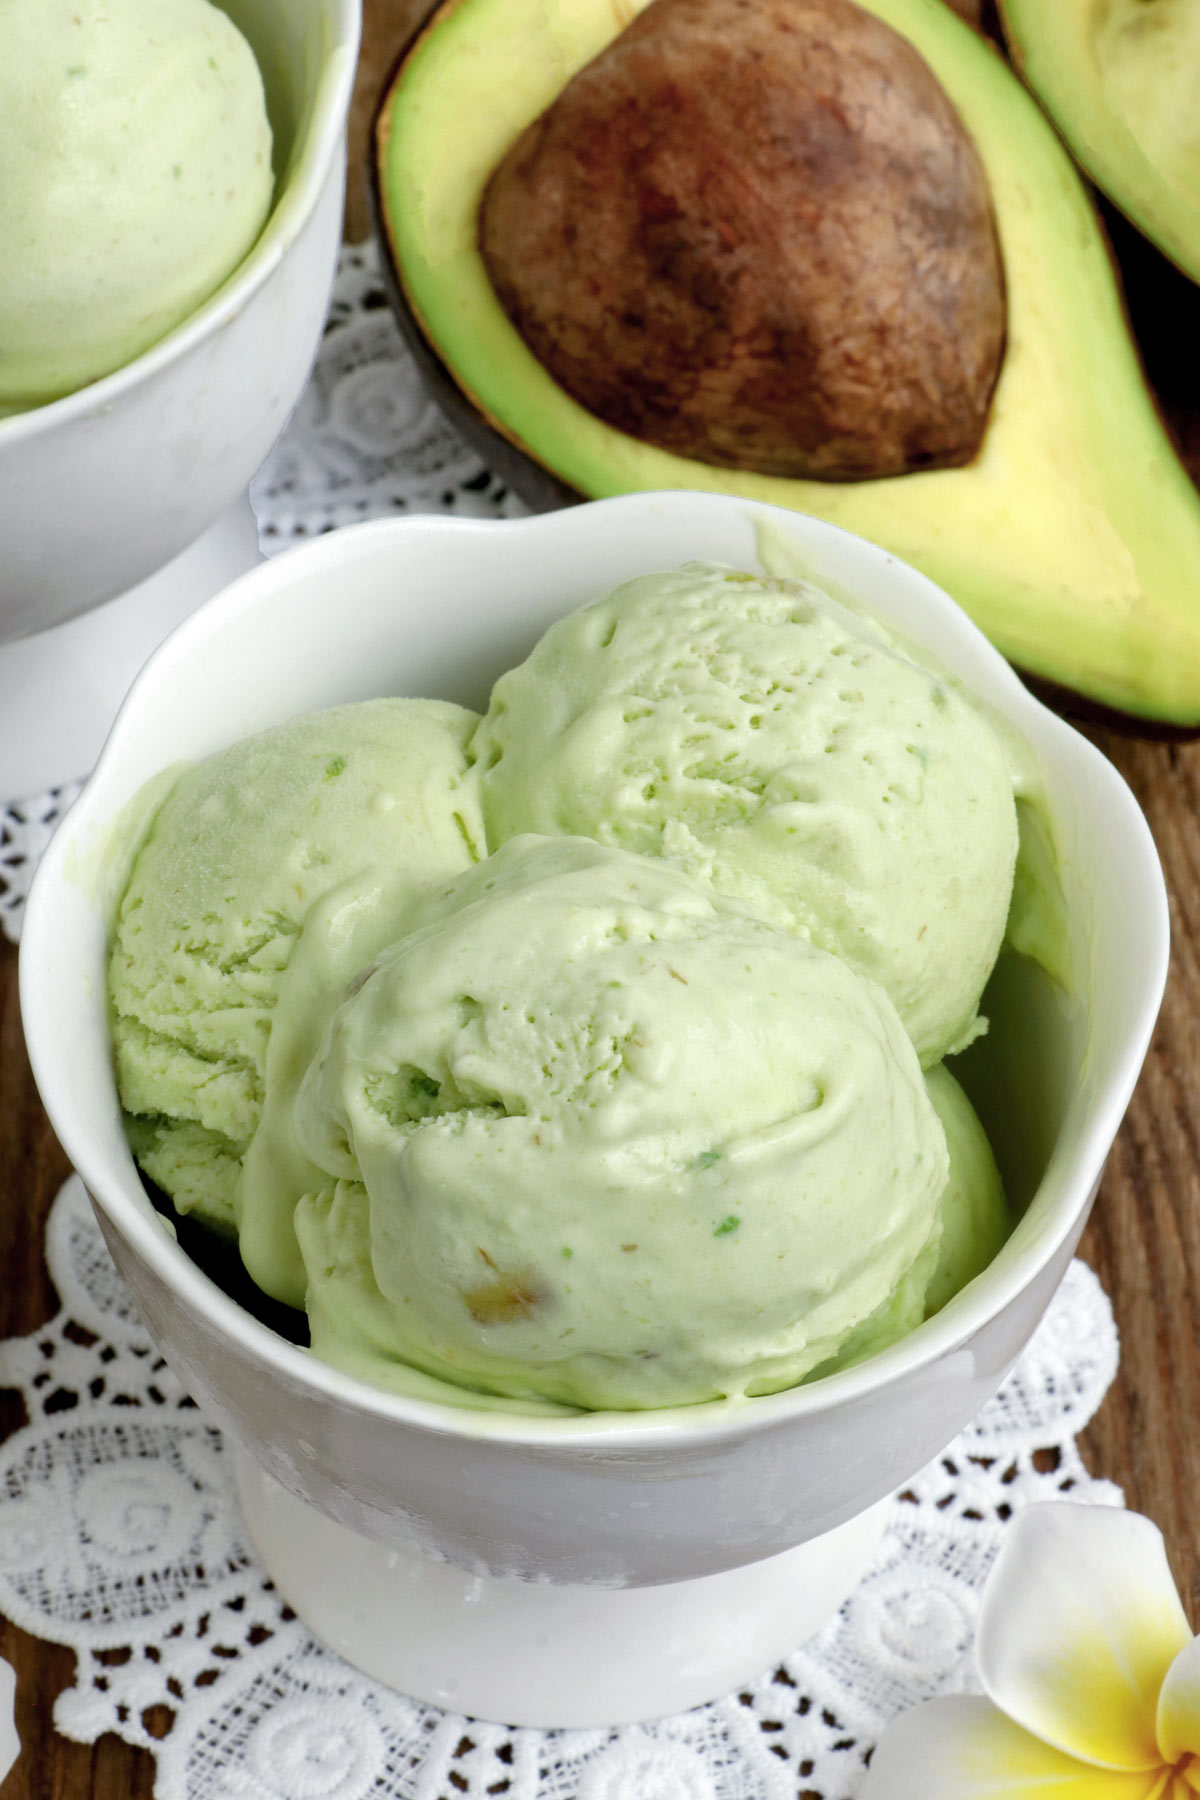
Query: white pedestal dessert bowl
point(134, 487)
point(475, 1556)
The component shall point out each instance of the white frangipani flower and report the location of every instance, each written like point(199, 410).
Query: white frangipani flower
point(1090, 1671)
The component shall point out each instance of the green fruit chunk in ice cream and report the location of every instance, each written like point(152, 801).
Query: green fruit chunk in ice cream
point(785, 749)
point(135, 174)
point(270, 875)
point(621, 1142)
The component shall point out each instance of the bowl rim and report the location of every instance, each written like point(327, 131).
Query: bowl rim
point(124, 1203)
point(290, 212)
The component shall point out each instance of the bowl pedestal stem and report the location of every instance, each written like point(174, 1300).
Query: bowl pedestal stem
point(530, 1653)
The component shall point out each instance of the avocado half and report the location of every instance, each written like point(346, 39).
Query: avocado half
point(1072, 539)
point(1122, 83)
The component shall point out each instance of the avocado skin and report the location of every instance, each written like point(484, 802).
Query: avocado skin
point(1080, 71)
point(1089, 681)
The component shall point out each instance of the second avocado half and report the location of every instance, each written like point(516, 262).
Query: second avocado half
point(1122, 84)
point(1072, 537)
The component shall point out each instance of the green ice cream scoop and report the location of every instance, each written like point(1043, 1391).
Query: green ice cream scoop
point(135, 174)
point(270, 875)
point(353, 1326)
point(785, 749)
point(608, 1138)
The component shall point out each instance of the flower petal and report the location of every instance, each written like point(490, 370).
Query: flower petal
point(1078, 1626)
point(1179, 1708)
point(963, 1748)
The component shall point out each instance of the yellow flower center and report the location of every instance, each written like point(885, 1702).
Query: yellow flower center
point(1180, 1782)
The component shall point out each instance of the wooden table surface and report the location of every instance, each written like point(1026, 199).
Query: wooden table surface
point(1144, 1236)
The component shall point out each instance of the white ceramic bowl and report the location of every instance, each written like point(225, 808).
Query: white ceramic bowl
point(427, 606)
point(100, 489)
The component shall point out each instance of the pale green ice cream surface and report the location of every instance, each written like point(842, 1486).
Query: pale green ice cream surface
point(353, 1324)
point(785, 749)
point(630, 1114)
point(622, 1142)
point(976, 1219)
point(135, 174)
point(270, 875)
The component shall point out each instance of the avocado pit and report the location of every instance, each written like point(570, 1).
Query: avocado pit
point(755, 233)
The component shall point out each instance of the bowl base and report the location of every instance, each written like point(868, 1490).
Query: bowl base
point(60, 689)
point(529, 1653)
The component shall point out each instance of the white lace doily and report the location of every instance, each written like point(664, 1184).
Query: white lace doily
point(121, 1538)
point(25, 829)
point(365, 442)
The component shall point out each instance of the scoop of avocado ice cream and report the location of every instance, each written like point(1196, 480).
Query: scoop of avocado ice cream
point(621, 1142)
point(353, 1325)
point(976, 1219)
point(135, 174)
point(270, 875)
point(776, 744)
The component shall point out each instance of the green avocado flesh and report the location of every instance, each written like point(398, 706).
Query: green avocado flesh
point(1072, 539)
point(1121, 80)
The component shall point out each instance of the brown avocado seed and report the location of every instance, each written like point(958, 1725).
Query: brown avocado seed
point(756, 233)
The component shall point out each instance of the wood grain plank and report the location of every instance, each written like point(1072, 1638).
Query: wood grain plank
point(387, 25)
point(32, 1169)
point(1144, 1235)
